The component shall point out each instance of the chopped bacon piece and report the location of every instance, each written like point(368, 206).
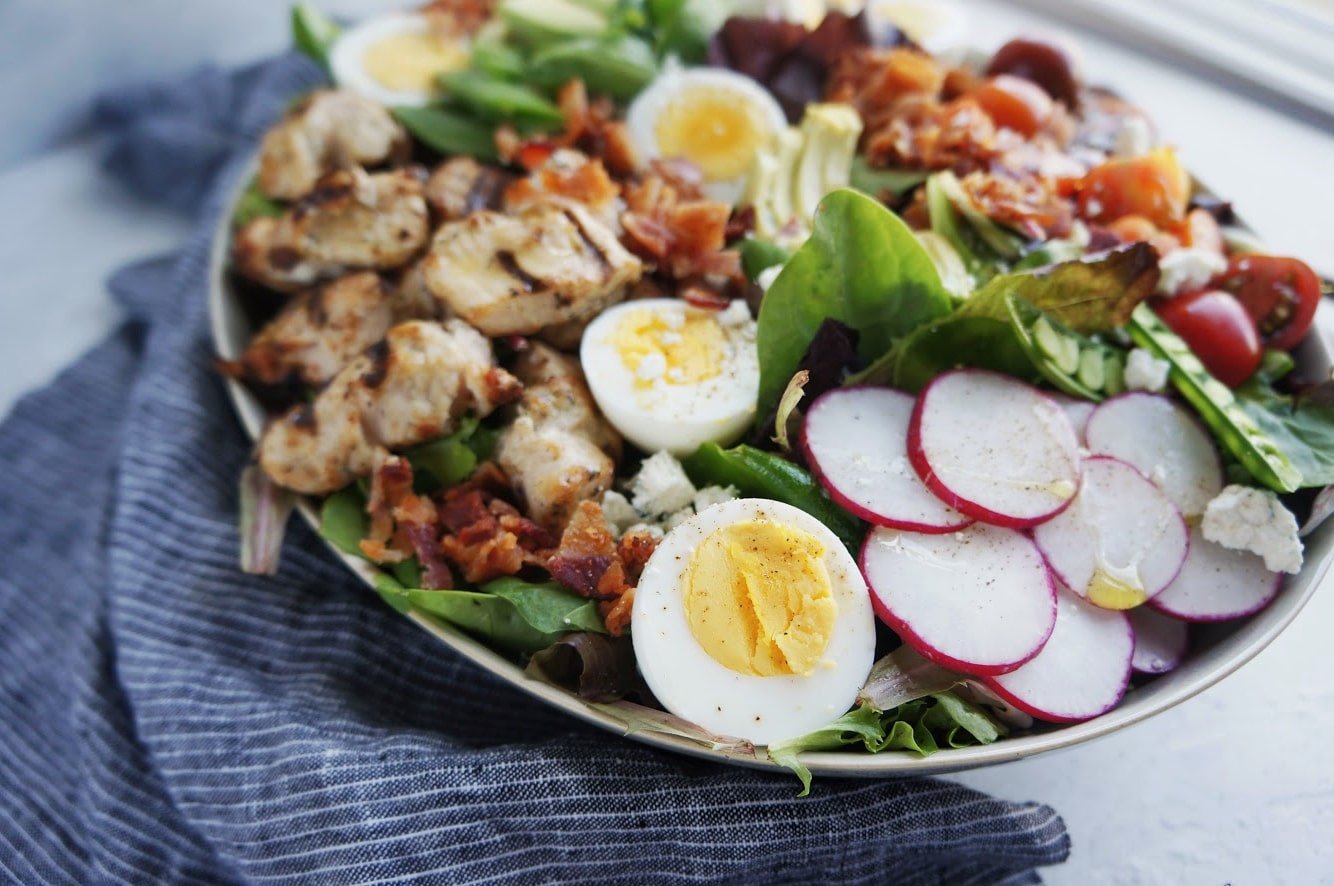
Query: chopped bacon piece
point(592, 563)
point(485, 534)
point(404, 524)
point(685, 236)
point(616, 613)
point(1025, 203)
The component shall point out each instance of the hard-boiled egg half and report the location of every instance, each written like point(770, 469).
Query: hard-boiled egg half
point(671, 376)
point(715, 118)
point(395, 59)
point(752, 620)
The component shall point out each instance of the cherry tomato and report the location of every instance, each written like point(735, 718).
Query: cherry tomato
point(1014, 103)
point(1280, 294)
point(1218, 330)
point(1154, 186)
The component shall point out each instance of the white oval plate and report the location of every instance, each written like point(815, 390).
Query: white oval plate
point(1217, 650)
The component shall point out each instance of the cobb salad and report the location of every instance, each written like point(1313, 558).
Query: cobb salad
point(764, 378)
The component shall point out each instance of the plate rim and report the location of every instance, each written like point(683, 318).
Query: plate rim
point(1250, 637)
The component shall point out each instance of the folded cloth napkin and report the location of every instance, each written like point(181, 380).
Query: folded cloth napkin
point(168, 719)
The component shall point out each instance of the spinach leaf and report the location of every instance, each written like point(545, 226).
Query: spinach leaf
point(253, 204)
point(862, 266)
point(449, 460)
point(761, 474)
point(512, 614)
point(878, 182)
point(343, 520)
point(314, 33)
point(683, 27)
point(1301, 425)
point(922, 726)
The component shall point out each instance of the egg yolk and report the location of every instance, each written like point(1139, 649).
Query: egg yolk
point(716, 129)
point(685, 349)
point(411, 62)
point(758, 599)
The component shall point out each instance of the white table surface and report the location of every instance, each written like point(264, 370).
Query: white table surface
point(1235, 786)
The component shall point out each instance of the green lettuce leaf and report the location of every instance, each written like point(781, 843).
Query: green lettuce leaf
point(253, 204)
point(314, 33)
point(1035, 324)
point(921, 726)
point(1301, 426)
point(862, 266)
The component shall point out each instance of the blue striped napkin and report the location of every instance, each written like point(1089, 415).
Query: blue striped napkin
point(167, 719)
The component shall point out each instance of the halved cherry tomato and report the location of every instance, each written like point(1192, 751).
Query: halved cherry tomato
point(1153, 185)
point(1218, 330)
point(1280, 294)
point(1014, 103)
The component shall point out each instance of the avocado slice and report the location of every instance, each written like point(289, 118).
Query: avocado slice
point(539, 23)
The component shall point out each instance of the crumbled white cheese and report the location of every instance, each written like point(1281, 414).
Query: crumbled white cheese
point(737, 313)
point(676, 518)
point(1134, 138)
point(1185, 270)
point(764, 279)
point(1145, 372)
point(661, 486)
point(713, 495)
point(1248, 519)
point(618, 511)
point(652, 529)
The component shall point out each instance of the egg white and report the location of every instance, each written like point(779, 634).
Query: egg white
point(349, 71)
point(675, 417)
point(642, 117)
point(693, 685)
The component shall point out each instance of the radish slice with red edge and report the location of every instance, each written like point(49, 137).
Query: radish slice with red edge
point(994, 448)
point(1160, 641)
point(979, 600)
point(1121, 542)
point(1082, 672)
point(856, 442)
point(1218, 584)
point(1078, 411)
point(1163, 442)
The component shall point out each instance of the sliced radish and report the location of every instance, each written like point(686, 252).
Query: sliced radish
point(1078, 411)
point(1160, 641)
point(856, 441)
point(1121, 542)
point(1083, 670)
point(1218, 583)
point(979, 600)
point(994, 448)
point(1164, 442)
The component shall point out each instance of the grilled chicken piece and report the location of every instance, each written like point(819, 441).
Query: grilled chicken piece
point(351, 220)
point(327, 130)
point(319, 332)
point(409, 388)
point(558, 451)
point(519, 274)
point(460, 186)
